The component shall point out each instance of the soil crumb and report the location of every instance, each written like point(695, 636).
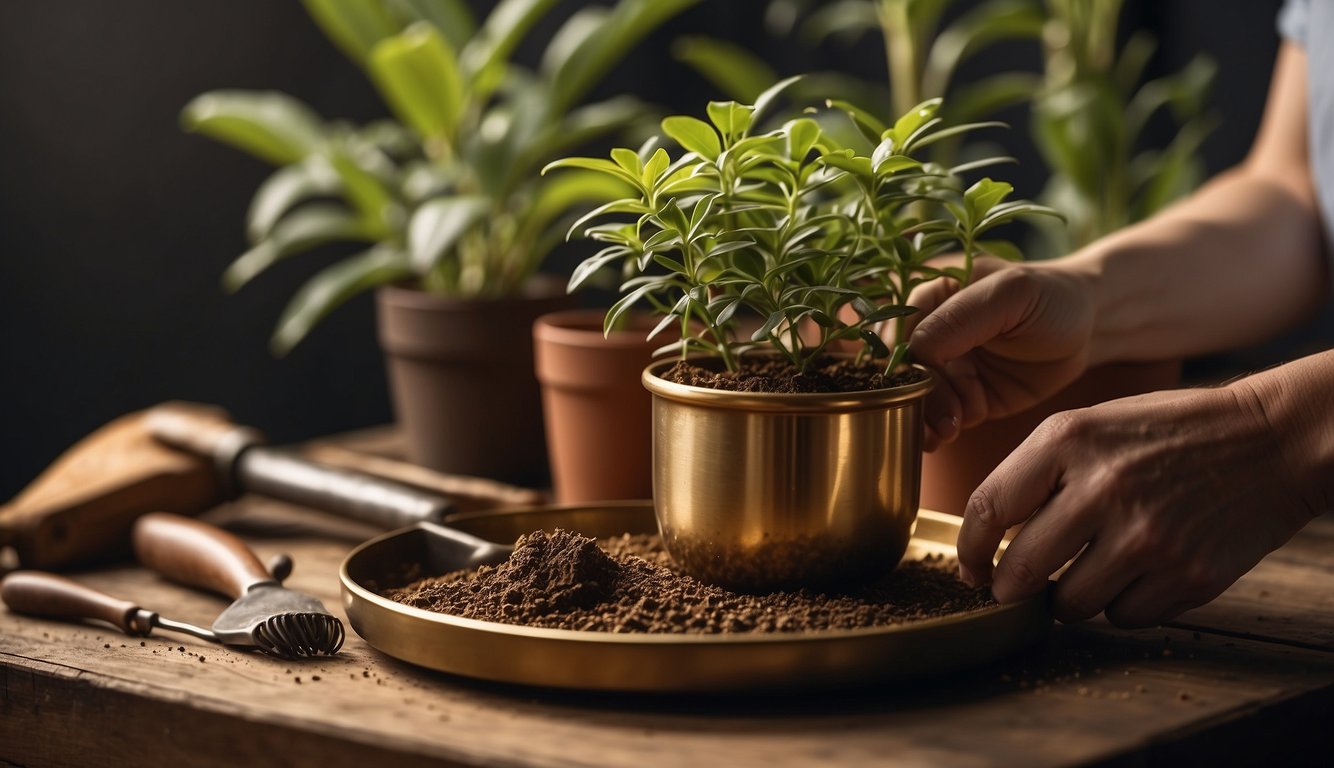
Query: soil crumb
point(776, 375)
point(563, 580)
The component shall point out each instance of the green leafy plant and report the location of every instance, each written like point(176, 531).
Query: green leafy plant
point(1089, 106)
point(922, 53)
point(446, 195)
point(1090, 117)
point(789, 226)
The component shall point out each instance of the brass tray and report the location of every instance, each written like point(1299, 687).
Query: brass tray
point(607, 661)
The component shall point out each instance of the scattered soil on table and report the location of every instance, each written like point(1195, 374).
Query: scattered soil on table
point(776, 375)
point(563, 580)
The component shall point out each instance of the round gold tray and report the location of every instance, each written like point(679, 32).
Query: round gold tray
point(660, 663)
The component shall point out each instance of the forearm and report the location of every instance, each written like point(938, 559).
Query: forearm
point(1238, 262)
point(1294, 399)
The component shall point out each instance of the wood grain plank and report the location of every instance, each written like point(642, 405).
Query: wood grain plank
point(1092, 693)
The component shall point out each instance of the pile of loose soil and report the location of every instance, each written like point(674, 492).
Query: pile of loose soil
point(563, 580)
point(776, 375)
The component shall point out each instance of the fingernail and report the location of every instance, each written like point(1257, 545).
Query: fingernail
point(946, 427)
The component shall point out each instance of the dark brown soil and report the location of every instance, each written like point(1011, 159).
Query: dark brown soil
point(776, 375)
point(563, 580)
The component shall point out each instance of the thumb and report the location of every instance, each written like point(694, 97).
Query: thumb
point(988, 309)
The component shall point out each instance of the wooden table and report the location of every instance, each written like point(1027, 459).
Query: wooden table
point(1248, 679)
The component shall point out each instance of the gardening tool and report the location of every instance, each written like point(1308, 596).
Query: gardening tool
point(81, 508)
point(54, 596)
point(740, 663)
point(264, 614)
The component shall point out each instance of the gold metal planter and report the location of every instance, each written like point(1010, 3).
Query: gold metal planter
point(765, 491)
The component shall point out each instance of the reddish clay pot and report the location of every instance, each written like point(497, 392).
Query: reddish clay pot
point(461, 377)
point(951, 473)
point(598, 415)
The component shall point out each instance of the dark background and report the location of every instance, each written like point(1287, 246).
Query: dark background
point(115, 226)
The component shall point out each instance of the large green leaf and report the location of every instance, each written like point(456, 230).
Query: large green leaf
point(286, 188)
point(846, 19)
point(355, 26)
point(437, 225)
point(270, 125)
point(484, 57)
point(981, 26)
point(334, 285)
point(418, 75)
point(582, 125)
point(629, 22)
point(452, 17)
point(299, 231)
point(988, 95)
point(739, 74)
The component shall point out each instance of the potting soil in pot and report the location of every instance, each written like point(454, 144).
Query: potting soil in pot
point(562, 580)
point(777, 376)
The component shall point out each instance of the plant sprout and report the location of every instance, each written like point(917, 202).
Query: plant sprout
point(789, 227)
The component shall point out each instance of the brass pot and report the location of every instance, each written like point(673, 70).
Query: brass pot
point(758, 492)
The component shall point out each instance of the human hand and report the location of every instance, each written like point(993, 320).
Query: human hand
point(1016, 335)
point(1163, 500)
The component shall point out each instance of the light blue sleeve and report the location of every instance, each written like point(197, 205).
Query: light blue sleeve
point(1292, 20)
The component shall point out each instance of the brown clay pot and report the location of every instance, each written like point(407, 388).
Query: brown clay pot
point(952, 472)
point(461, 378)
point(598, 415)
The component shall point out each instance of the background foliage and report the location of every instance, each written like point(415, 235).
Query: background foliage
point(116, 225)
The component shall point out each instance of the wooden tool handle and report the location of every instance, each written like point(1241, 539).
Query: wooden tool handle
point(46, 594)
point(199, 429)
point(197, 554)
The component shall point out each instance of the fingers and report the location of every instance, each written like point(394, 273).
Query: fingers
point(974, 316)
point(940, 416)
point(1096, 578)
point(1017, 488)
point(1050, 539)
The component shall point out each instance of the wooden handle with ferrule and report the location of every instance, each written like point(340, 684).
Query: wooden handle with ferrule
point(45, 594)
point(197, 554)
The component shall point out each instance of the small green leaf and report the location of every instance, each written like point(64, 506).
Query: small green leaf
point(770, 95)
point(869, 125)
point(888, 312)
point(596, 164)
point(655, 166)
point(986, 194)
point(694, 135)
point(628, 161)
point(730, 118)
point(874, 343)
point(270, 125)
point(802, 136)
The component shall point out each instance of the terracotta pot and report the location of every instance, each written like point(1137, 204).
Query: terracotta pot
point(598, 416)
point(461, 378)
point(951, 473)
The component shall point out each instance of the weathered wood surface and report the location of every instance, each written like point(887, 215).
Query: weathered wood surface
point(85, 695)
